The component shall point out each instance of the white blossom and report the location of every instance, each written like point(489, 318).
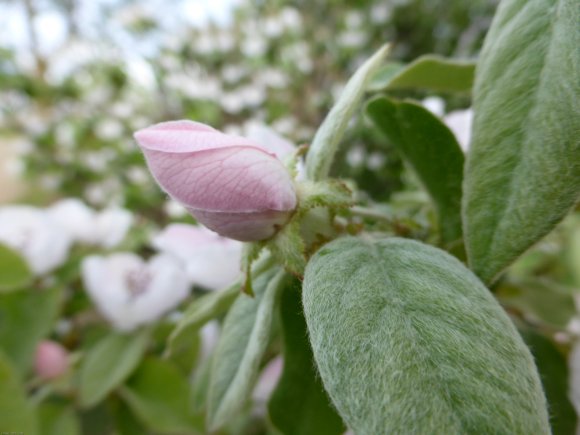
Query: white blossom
point(435, 105)
point(83, 224)
point(211, 261)
point(460, 122)
point(33, 233)
point(130, 292)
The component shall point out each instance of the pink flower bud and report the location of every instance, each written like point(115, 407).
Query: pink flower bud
point(51, 360)
point(228, 183)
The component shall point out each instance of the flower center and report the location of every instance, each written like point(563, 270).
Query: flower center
point(137, 281)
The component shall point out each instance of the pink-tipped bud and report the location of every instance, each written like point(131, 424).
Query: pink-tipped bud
point(230, 184)
point(51, 360)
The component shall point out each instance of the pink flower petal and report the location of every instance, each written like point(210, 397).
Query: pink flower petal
point(229, 183)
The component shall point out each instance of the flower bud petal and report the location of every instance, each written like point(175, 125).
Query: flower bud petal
point(221, 179)
point(51, 360)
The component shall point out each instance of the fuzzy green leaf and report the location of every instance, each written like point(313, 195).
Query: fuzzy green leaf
point(523, 170)
point(109, 363)
point(328, 136)
point(16, 413)
point(243, 340)
point(408, 340)
point(299, 405)
point(160, 396)
point(433, 152)
point(14, 271)
point(26, 317)
point(431, 72)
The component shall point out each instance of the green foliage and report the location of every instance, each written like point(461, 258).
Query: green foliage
point(243, 341)
point(299, 405)
point(523, 171)
point(56, 418)
point(430, 72)
point(159, 395)
point(541, 301)
point(197, 314)
point(16, 413)
point(14, 272)
point(108, 364)
point(433, 152)
point(407, 340)
point(328, 136)
point(553, 369)
point(26, 317)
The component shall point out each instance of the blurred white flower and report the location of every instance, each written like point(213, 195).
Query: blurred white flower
point(380, 13)
point(211, 261)
point(355, 156)
point(272, 141)
point(106, 229)
point(273, 27)
point(254, 46)
point(209, 335)
point(376, 160)
point(75, 217)
point(130, 292)
point(352, 39)
point(460, 122)
point(285, 125)
point(36, 236)
point(290, 17)
point(267, 381)
point(269, 139)
point(111, 226)
point(109, 129)
point(174, 209)
point(273, 78)
point(233, 73)
point(435, 105)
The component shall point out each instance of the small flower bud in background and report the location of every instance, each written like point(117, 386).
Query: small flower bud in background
point(230, 184)
point(51, 360)
point(211, 261)
point(130, 292)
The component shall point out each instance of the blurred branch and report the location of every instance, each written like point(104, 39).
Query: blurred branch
point(40, 64)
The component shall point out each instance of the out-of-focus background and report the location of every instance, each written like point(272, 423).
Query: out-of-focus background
point(78, 77)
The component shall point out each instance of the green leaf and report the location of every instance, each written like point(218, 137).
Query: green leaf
point(197, 314)
point(523, 170)
point(433, 152)
point(14, 271)
point(538, 300)
point(243, 340)
point(328, 136)
point(57, 419)
point(109, 363)
point(26, 317)
point(299, 405)
point(159, 395)
point(408, 340)
point(430, 72)
point(16, 413)
point(553, 370)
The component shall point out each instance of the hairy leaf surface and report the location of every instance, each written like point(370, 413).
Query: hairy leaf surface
point(408, 340)
point(523, 170)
